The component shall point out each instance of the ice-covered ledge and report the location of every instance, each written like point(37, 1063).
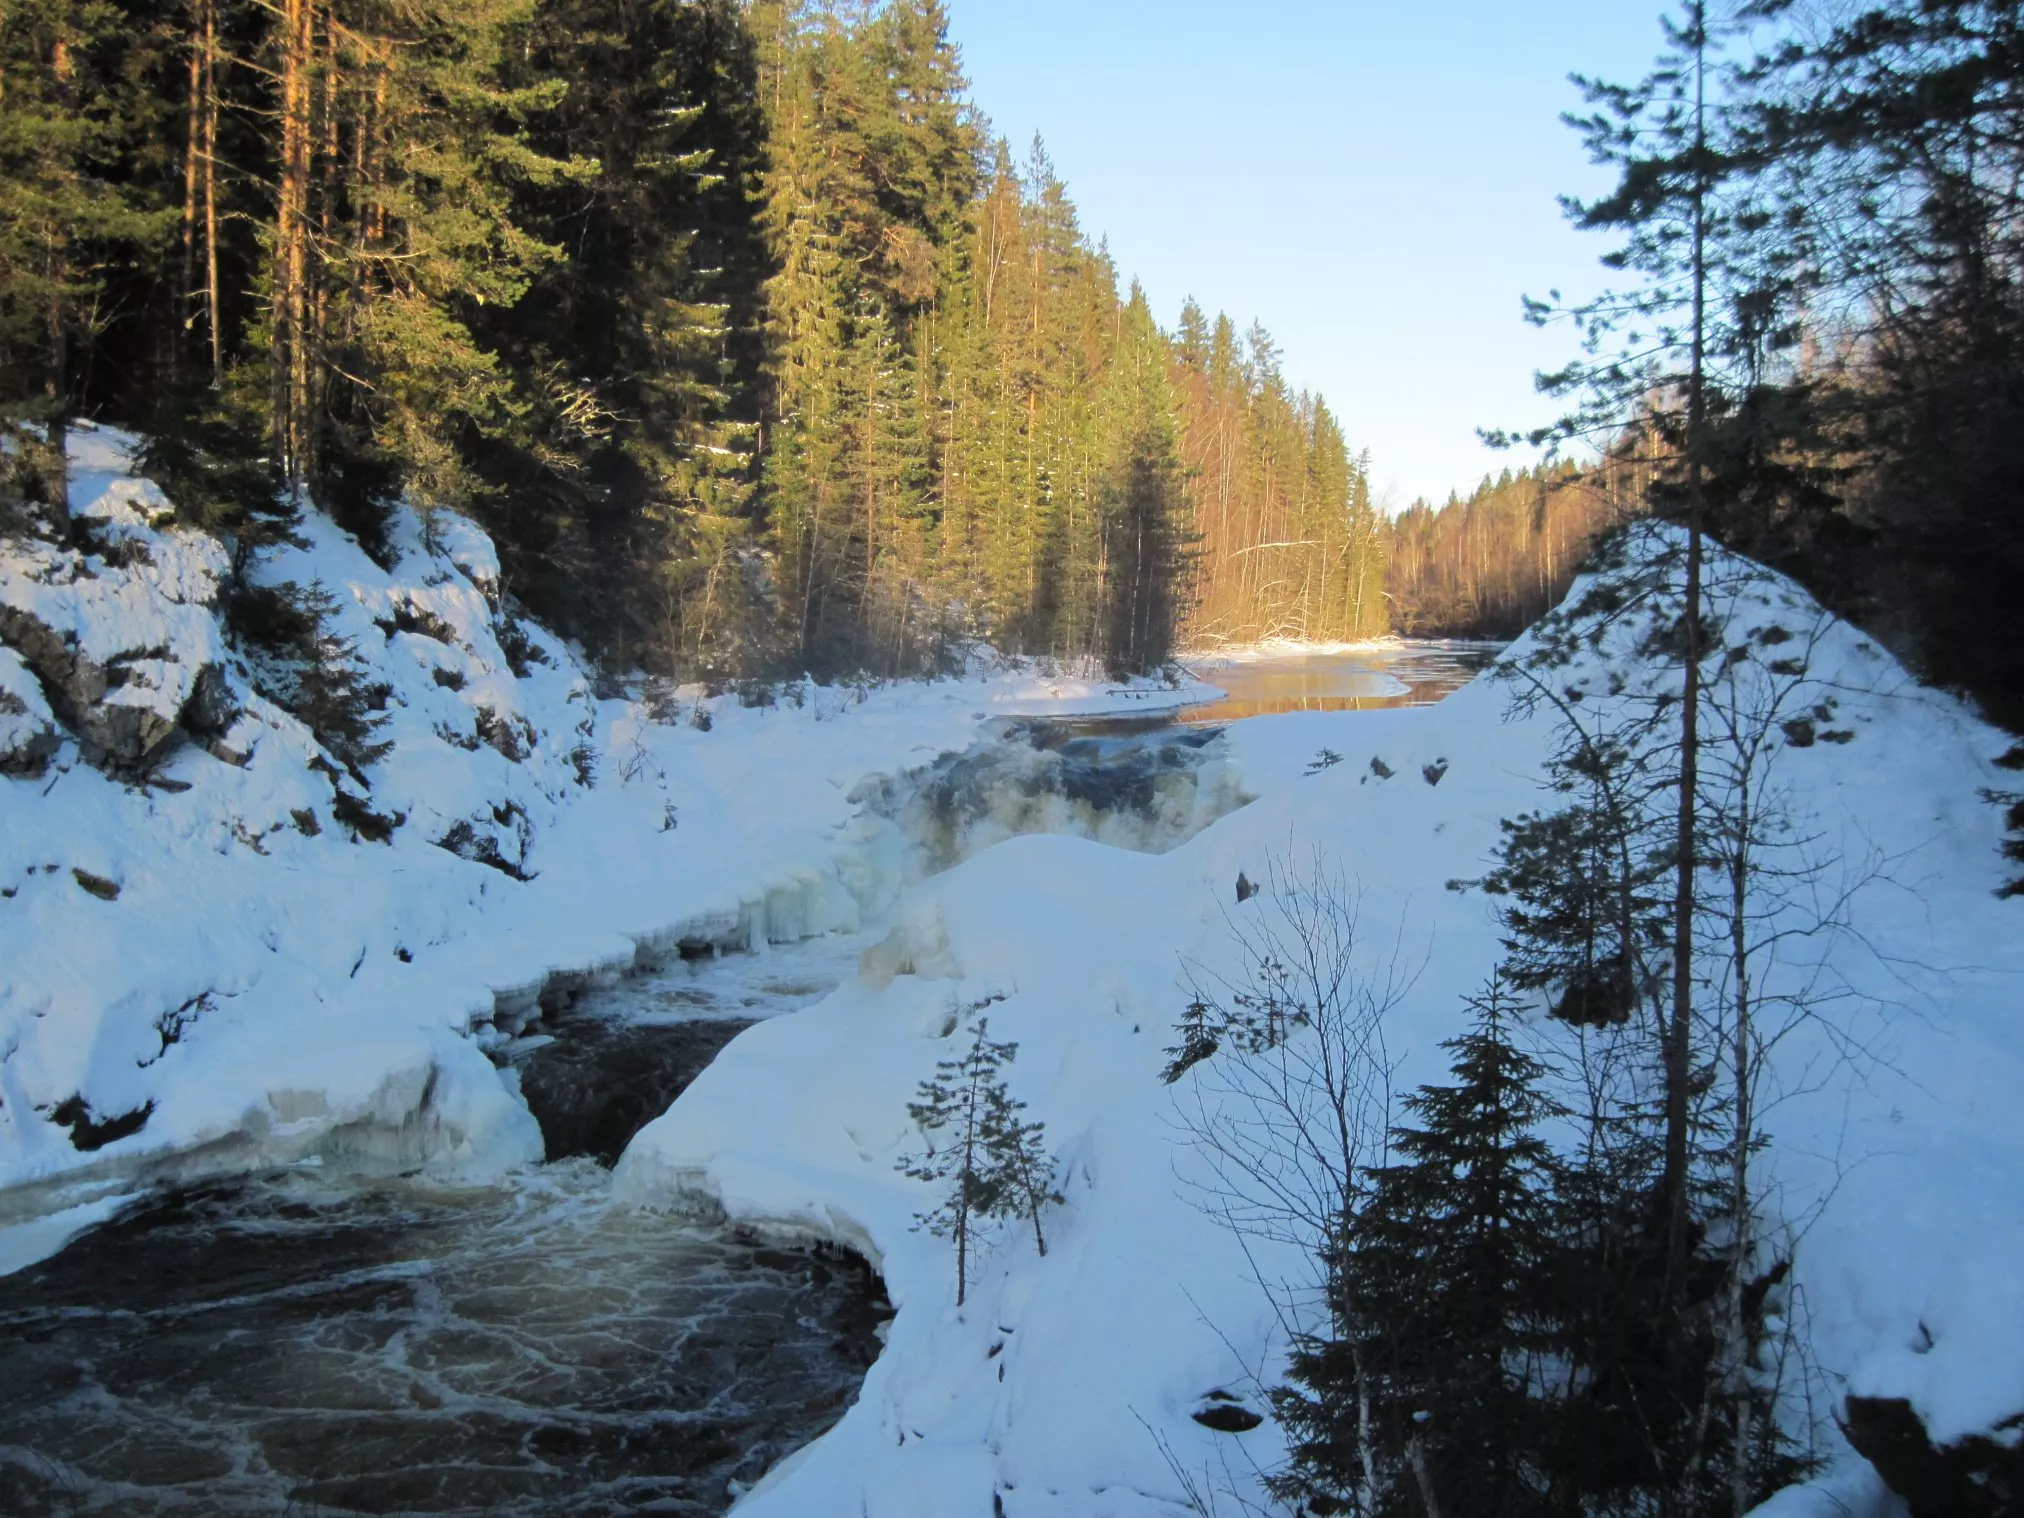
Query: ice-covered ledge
point(206, 973)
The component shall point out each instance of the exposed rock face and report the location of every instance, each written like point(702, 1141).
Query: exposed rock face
point(1980, 1476)
point(28, 731)
point(120, 632)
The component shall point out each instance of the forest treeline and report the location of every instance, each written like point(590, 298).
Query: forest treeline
point(757, 351)
point(1492, 563)
point(733, 323)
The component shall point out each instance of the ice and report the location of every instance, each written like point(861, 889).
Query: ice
point(260, 988)
point(1067, 1384)
point(260, 991)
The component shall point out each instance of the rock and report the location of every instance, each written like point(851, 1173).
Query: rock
point(211, 709)
point(123, 638)
point(29, 736)
point(97, 885)
point(89, 1132)
point(1980, 1476)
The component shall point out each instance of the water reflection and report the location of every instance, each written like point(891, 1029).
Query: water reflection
point(1369, 677)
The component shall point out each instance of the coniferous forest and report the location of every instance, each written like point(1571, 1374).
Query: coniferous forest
point(756, 351)
point(734, 324)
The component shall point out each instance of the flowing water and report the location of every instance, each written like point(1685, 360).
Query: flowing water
point(296, 1343)
point(284, 1345)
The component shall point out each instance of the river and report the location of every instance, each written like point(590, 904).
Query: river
point(297, 1342)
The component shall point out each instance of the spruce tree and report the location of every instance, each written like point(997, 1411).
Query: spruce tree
point(1439, 1285)
point(990, 1162)
point(69, 214)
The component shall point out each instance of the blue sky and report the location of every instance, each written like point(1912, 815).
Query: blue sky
point(1374, 181)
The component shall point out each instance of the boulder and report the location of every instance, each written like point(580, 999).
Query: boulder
point(121, 634)
point(28, 732)
point(1980, 1475)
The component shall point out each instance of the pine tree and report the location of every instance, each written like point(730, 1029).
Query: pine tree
point(956, 1103)
point(1582, 889)
point(1144, 548)
point(67, 212)
point(1674, 153)
point(1023, 1170)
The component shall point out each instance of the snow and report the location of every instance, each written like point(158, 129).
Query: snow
point(1067, 1383)
point(279, 992)
point(132, 622)
point(26, 723)
point(266, 989)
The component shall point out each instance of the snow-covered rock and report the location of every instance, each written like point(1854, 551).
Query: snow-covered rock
point(122, 633)
point(28, 730)
point(207, 964)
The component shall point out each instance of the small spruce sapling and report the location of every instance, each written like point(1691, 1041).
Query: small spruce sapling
point(1020, 1163)
point(992, 1164)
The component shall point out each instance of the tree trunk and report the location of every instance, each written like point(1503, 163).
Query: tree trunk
point(1679, 1036)
point(1739, 1158)
point(291, 247)
point(1416, 1452)
point(210, 177)
point(193, 150)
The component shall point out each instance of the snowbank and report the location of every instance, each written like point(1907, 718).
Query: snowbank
point(206, 969)
point(1067, 1385)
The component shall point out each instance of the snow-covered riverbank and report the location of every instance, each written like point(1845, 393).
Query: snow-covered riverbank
point(211, 966)
point(1067, 1387)
point(206, 970)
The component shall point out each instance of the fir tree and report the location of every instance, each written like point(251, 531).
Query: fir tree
point(1440, 1286)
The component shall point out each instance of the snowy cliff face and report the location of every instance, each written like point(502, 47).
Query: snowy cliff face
point(181, 860)
point(122, 631)
point(1069, 1385)
point(224, 944)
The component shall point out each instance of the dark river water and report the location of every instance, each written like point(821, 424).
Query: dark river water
point(297, 1343)
point(281, 1345)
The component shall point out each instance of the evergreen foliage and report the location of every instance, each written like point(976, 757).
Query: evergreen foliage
point(991, 1163)
point(1444, 1276)
point(731, 322)
point(757, 353)
point(304, 667)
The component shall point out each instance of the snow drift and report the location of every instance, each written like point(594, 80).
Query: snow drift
point(1068, 1386)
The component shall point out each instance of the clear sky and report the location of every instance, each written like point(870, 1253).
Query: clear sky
point(1375, 180)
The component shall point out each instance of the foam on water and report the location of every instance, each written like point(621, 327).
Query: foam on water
point(527, 1349)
